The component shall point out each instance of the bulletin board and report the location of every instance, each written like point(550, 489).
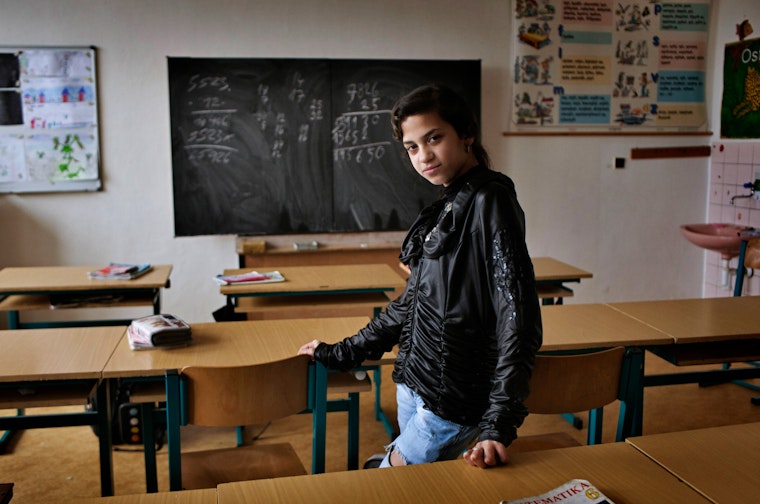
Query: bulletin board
point(609, 64)
point(48, 120)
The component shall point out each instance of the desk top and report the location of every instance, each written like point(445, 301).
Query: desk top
point(618, 470)
point(231, 344)
point(579, 326)
point(699, 320)
point(54, 354)
point(550, 269)
point(719, 462)
point(30, 279)
point(205, 496)
point(345, 277)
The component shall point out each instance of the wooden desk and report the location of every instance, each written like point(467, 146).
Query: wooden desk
point(588, 326)
point(570, 328)
point(205, 496)
point(338, 289)
point(231, 344)
point(551, 278)
point(44, 367)
point(30, 288)
point(320, 280)
point(553, 275)
point(617, 469)
point(720, 463)
point(704, 331)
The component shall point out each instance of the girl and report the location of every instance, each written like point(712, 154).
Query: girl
point(468, 324)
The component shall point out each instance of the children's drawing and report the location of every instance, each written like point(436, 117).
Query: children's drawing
point(632, 17)
point(11, 158)
point(70, 156)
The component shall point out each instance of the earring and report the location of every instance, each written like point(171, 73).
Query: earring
point(467, 149)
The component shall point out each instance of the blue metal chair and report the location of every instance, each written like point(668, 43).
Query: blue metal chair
point(749, 257)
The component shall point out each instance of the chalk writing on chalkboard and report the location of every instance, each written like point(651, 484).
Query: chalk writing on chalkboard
point(278, 146)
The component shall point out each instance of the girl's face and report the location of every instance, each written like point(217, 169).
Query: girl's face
point(435, 149)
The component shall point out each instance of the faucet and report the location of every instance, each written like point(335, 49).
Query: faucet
point(752, 186)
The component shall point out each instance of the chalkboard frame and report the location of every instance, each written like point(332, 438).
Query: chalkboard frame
point(344, 174)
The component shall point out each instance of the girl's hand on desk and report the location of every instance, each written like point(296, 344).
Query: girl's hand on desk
point(308, 348)
point(487, 454)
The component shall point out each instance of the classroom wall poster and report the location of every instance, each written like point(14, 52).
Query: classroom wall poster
point(48, 120)
point(739, 117)
point(609, 64)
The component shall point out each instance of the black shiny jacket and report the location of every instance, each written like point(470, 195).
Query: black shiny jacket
point(468, 324)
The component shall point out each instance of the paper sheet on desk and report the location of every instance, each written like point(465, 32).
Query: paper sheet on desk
point(250, 277)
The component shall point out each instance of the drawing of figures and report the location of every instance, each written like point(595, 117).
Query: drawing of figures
point(534, 111)
point(546, 70)
point(625, 87)
point(632, 52)
point(631, 17)
point(644, 81)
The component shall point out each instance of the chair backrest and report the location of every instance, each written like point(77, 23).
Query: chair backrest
point(245, 395)
point(578, 382)
point(752, 257)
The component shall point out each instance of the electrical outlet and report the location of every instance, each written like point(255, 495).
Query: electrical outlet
point(619, 163)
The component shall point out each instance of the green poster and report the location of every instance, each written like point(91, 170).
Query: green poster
point(740, 109)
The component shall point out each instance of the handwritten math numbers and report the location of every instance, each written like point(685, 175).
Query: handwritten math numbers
point(217, 82)
point(363, 94)
point(362, 154)
point(297, 94)
point(316, 110)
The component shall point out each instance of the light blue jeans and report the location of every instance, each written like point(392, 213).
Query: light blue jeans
point(424, 436)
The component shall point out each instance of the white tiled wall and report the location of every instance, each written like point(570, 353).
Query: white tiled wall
point(732, 164)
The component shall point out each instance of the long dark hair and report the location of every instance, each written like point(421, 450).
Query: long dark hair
point(450, 106)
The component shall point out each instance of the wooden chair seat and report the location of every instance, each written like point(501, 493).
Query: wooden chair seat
point(543, 442)
point(347, 383)
point(207, 469)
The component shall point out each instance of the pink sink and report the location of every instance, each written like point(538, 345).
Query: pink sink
point(722, 238)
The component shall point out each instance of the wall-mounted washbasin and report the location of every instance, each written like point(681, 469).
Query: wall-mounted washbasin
point(722, 238)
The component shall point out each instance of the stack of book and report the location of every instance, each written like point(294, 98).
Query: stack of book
point(158, 331)
point(120, 271)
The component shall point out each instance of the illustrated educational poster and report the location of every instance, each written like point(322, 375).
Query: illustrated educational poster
point(48, 120)
point(739, 117)
point(609, 64)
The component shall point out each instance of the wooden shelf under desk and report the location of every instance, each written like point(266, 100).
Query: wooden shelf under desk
point(335, 305)
point(46, 396)
point(26, 302)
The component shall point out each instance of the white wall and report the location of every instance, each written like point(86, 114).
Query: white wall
point(620, 224)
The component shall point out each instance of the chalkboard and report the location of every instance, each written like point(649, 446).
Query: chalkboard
point(279, 146)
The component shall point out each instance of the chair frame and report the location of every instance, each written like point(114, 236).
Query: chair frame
point(589, 382)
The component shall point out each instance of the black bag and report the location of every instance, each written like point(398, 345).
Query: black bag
point(126, 418)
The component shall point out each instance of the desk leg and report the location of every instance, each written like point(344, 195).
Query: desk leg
point(103, 397)
point(631, 415)
point(318, 380)
point(173, 405)
point(13, 319)
point(147, 411)
point(157, 302)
